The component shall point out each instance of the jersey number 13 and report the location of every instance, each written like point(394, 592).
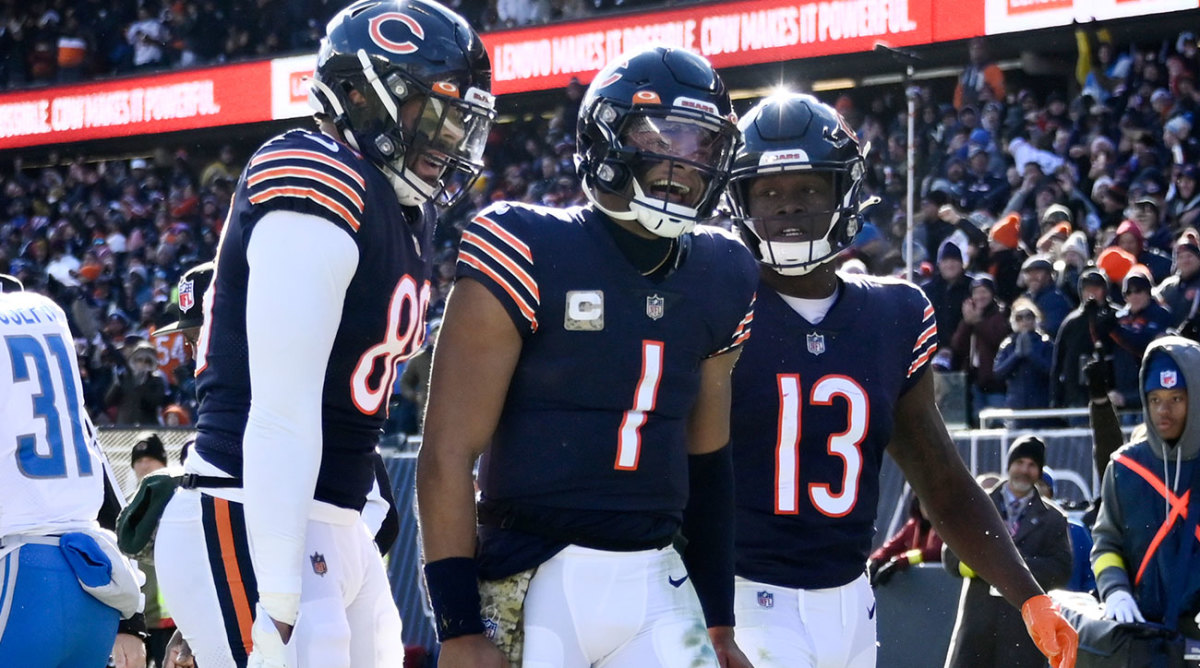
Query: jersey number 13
point(847, 445)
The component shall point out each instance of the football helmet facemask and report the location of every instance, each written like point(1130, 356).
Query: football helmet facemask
point(656, 130)
point(408, 84)
point(795, 142)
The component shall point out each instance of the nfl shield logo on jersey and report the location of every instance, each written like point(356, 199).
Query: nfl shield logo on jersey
point(1168, 379)
point(187, 298)
point(655, 305)
point(816, 343)
point(318, 564)
point(766, 599)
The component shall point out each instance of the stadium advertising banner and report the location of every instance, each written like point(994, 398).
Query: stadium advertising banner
point(185, 100)
point(729, 34)
point(1004, 16)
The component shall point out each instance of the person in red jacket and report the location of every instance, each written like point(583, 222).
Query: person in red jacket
point(916, 542)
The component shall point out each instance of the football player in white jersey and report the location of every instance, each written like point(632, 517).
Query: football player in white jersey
point(59, 606)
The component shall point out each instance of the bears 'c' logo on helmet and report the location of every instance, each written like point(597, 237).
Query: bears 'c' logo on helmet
point(386, 44)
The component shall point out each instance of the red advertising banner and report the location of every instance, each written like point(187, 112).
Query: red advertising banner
point(185, 100)
point(729, 34)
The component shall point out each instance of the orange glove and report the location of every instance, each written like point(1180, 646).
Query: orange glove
point(1050, 632)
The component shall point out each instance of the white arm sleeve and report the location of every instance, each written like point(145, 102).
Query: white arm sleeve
point(300, 267)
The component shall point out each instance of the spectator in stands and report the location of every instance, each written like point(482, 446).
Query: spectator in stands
point(1076, 341)
point(221, 169)
point(981, 81)
point(1145, 551)
point(983, 326)
point(414, 382)
point(1140, 322)
point(1024, 359)
point(139, 390)
point(1183, 206)
point(1038, 274)
point(1180, 292)
point(916, 542)
point(986, 189)
point(1073, 257)
point(148, 36)
point(1155, 233)
point(149, 457)
point(988, 632)
point(947, 291)
point(1006, 254)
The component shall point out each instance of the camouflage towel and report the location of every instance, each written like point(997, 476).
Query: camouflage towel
point(504, 613)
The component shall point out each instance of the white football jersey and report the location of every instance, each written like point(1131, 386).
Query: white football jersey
point(51, 475)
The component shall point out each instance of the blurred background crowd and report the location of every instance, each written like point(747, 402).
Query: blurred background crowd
point(48, 41)
point(1053, 224)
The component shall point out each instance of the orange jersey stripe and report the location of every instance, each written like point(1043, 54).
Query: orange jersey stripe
point(506, 236)
point(301, 154)
point(496, 254)
point(309, 193)
point(465, 257)
point(308, 173)
point(924, 357)
point(233, 573)
point(925, 336)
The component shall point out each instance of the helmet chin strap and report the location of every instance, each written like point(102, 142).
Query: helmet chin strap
point(615, 215)
point(673, 220)
point(795, 258)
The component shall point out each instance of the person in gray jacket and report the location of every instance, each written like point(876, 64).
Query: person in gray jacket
point(1146, 555)
point(988, 632)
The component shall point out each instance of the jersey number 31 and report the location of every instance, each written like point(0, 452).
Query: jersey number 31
point(847, 445)
point(30, 363)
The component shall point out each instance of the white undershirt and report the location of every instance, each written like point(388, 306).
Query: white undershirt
point(812, 310)
point(300, 267)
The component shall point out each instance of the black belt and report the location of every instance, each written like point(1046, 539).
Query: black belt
point(194, 481)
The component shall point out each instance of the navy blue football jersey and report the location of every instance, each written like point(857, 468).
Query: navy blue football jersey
point(593, 431)
point(813, 409)
point(383, 318)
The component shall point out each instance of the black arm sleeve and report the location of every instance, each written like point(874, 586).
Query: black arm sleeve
point(385, 538)
point(708, 528)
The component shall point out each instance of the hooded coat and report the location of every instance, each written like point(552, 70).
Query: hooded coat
point(1128, 554)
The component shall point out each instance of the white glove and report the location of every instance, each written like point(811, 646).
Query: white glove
point(269, 650)
point(1120, 606)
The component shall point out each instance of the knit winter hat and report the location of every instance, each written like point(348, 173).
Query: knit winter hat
point(1006, 231)
point(1028, 446)
point(1116, 262)
point(1162, 373)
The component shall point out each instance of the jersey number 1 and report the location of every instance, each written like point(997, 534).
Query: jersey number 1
point(846, 445)
point(629, 441)
point(46, 405)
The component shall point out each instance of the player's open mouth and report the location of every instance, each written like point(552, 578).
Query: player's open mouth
point(670, 191)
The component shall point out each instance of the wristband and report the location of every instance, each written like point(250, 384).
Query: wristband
point(965, 570)
point(914, 557)
point(453, 587)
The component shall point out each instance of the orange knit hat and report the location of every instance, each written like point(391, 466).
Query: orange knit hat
point(1006, 231)
point(1116, 262)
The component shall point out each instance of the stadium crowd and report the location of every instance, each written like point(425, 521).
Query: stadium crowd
point(1022, 199)
point(50, 41)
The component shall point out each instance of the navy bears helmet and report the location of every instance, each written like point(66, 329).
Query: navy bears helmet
point(656, 130)
point(408, 84)
point(10, 283)
point(794, 133)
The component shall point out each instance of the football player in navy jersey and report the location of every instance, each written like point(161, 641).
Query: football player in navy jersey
point(585, 353)
point(837, 372)
point(261, 554)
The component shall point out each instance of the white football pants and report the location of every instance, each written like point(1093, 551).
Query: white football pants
point(778, 627)
point(606, 609)
point(348, 618)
